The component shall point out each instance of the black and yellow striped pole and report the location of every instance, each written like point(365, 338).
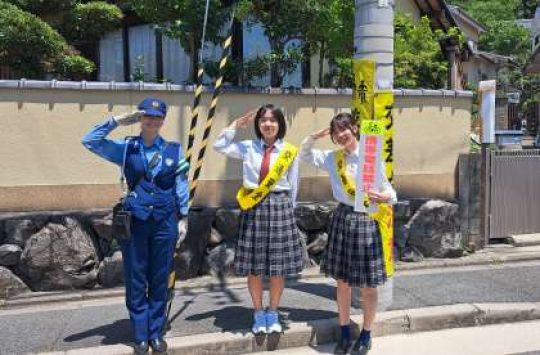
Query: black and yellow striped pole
point(209, 120)
point(189, 152)
point(195, 112)
point(198, 90)
point(212, 111)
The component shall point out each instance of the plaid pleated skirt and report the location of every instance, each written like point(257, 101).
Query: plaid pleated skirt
point(354, 252)
point(269, 242)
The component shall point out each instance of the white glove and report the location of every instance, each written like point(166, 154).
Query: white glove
point(182, 230)
point(127, 119)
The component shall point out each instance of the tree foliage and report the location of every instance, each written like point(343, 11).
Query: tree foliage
point(28, 45)
point(527, 8)
point(283, 21)
point(418, 58)
point(323, 27)
point(39, 38)
point(331, 35)
point(504, 36)
point(507, 38)
point(40, 7)
point(74, 67)
point(88, 22)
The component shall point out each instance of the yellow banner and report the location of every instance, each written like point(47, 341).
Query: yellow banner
point(364, 88)
point(370, 105)
point(250, 198)
point(384, 101)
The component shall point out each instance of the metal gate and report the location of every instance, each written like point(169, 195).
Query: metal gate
point(514, 192)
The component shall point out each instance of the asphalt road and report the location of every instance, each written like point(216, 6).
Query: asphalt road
point(79, 324)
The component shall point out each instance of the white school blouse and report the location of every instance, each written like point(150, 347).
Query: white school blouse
point(251, 153)
point(325, 160)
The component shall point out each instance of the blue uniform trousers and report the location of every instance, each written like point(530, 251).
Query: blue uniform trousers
point(148, 259)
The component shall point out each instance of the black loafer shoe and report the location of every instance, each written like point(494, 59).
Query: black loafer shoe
point(360, 349)
point(342, 346)
point(141, 348)
point(158, 346)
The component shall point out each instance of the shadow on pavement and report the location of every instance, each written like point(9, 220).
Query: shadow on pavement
point(118, 332)
point(228, 319)
point(238, 319)
point(321, 290)
point(181, 310)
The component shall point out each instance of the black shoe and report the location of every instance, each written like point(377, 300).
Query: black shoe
point(343, 346)
point(158, 346)
point(141, 348)
point(360, 349)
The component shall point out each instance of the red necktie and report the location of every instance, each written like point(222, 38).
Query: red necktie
point(265, 165)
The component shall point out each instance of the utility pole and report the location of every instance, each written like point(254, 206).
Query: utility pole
point(374, 40)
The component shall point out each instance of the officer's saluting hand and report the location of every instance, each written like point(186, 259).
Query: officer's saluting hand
point(127, 119)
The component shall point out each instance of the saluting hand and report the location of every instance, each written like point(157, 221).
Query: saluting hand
point(127, 119)
point(244, 120)
point(321, 134)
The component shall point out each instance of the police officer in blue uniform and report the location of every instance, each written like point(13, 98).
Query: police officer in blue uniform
point(155, 171)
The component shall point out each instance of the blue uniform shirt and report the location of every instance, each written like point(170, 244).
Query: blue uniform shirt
point(113, 151)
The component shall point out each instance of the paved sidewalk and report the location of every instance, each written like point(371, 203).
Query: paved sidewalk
point(501, 339)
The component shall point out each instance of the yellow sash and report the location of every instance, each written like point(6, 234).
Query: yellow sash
point(347, 183)
point(249, 198)
point(383, 216)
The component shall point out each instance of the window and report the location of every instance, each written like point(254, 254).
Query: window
point(153, 57)
point(255, 43)
point(142, 53)
point(111, 57)
point(176, 63)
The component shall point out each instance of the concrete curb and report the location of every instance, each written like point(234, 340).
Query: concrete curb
point(326, 330)
point(469, 261)
point(211, 282)
point(524, 240)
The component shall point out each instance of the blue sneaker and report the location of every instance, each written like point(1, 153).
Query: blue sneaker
point(259, 323)
point(272, 322)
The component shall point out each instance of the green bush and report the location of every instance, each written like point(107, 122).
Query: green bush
point(88, 22)
point(28, 45)
point(43, 6)
point(75, 67)
point(419, 60)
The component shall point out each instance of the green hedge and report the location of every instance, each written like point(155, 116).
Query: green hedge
point(28, 45)
point(88, 22)
point(43, 6)
point(74, 67)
